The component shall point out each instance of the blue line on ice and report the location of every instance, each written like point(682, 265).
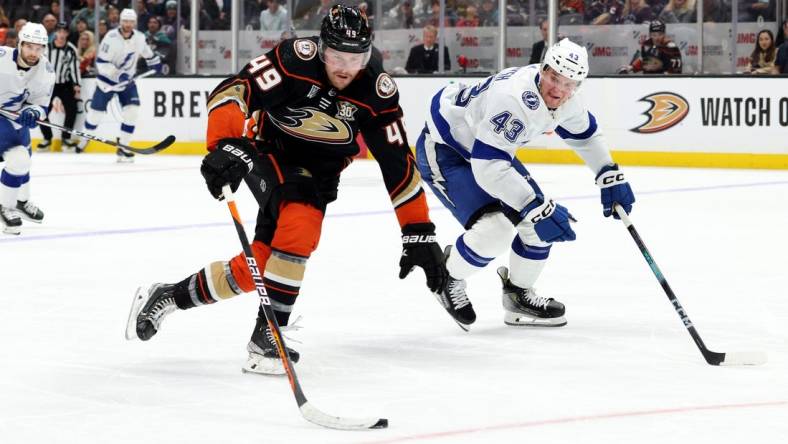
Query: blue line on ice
point(122, 231)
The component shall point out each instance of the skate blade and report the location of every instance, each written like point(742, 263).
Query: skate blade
point(136, 306)
point(16, 231)
point(30, 219)
point(523, 320)
point(260, 365)
point(464, 327)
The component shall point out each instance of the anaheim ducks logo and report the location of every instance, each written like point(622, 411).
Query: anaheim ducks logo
point(314, 125)
point(667, 109)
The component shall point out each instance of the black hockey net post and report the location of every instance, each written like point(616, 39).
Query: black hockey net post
point(164, 144)
point(711, 357)
point(309, 412)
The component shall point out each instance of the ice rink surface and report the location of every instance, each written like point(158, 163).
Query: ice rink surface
point(623, 370)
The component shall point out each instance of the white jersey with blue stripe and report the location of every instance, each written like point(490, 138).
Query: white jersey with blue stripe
point(488, 122)
point(20, 88)
point(118, 55)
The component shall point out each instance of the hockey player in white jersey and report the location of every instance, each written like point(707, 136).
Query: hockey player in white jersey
point(466, 154)
point(26, 83)
point(116, 63)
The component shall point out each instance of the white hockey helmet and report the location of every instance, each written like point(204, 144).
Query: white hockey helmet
point(33, 33)
point(128, 14)
point(568, 59)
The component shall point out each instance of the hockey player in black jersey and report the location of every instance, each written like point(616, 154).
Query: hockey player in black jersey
point(287, 125)
point(657, 55)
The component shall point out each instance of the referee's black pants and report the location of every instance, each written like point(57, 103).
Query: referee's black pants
point(64, 91)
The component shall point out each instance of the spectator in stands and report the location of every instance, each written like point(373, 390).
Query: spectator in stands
point(274, 17)
point(4, 18)
point(433, 18)
point(170, 20)
point(113, 17)
point(103, 29)
point(403, 16)
point(143, 14)
point(314, 17)
point(658, 54)
point(49, 21)
point(679, 11)
point(470, 19)
point(637, 12)
point(756, 10)
point(762, 59)
point(423, 59)
point(82, 26)
point(605, 12)
point(54, 9)
point(782, 33)
point(11, 39)
point(782, 52)
point(88, 14)
point(566, 7)
point(538, 49)
point(156, 38)
point(716, 11)
point(3, 32)
point(86, 50)
point(489, 13)
point(18, 24)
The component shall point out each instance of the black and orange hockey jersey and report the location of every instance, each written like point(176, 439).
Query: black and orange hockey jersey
point(285, 102)
point(663, 59)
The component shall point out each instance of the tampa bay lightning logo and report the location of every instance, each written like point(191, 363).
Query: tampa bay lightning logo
point(531, 100)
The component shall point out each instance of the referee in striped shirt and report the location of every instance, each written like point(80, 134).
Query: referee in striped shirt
point(63, 56)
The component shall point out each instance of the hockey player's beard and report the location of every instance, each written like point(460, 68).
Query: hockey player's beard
point(26, 62)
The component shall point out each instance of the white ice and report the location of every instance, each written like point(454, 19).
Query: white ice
point(623, 370)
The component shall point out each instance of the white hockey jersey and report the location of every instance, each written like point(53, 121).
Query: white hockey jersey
point(22, 88)
point(488, 122)
point(118, 55)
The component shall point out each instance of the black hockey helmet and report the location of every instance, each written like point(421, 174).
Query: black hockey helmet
point(346, 29)
point(656, 26)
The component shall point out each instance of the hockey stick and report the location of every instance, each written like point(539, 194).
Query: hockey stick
point(151, 150)
point(309, 412)
point(119, 86)
point(713, 358)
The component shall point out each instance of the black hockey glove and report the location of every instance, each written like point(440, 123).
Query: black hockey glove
point(420, 249)
point(229, 163)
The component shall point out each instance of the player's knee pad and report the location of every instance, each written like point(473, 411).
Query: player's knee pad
point(490, 235)
point(17, 161)
point(129, 114)
point(298, 228)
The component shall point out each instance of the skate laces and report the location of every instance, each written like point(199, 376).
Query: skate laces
point(457, 293)
point(161, 308)
point(533, 299)
point(8, 212)
point(287, 328)
point(30, 207)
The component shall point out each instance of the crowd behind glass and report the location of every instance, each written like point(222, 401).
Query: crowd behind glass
point(165, 21)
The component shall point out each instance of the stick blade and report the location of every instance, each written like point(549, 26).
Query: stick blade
point(164, 144)
point(315, 416)
point(744, 358)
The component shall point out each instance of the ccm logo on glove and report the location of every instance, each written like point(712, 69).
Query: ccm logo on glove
point(542, 212)
point(610, 178)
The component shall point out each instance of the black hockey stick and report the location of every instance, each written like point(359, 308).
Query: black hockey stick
point(309, 412)
point(151, 150)
point(713, 358)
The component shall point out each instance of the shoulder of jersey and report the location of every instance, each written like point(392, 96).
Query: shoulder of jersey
point(385, 92)
point(299, 56)
point(520, 87)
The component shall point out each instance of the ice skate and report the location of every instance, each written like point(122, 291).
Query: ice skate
point(29, 211)
point(148, 310)
point(263, 353)
point(70, 146)
point(11, 220)
point(454, 299)
point(44, 145)
point(125, 156)
point(523, 307)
